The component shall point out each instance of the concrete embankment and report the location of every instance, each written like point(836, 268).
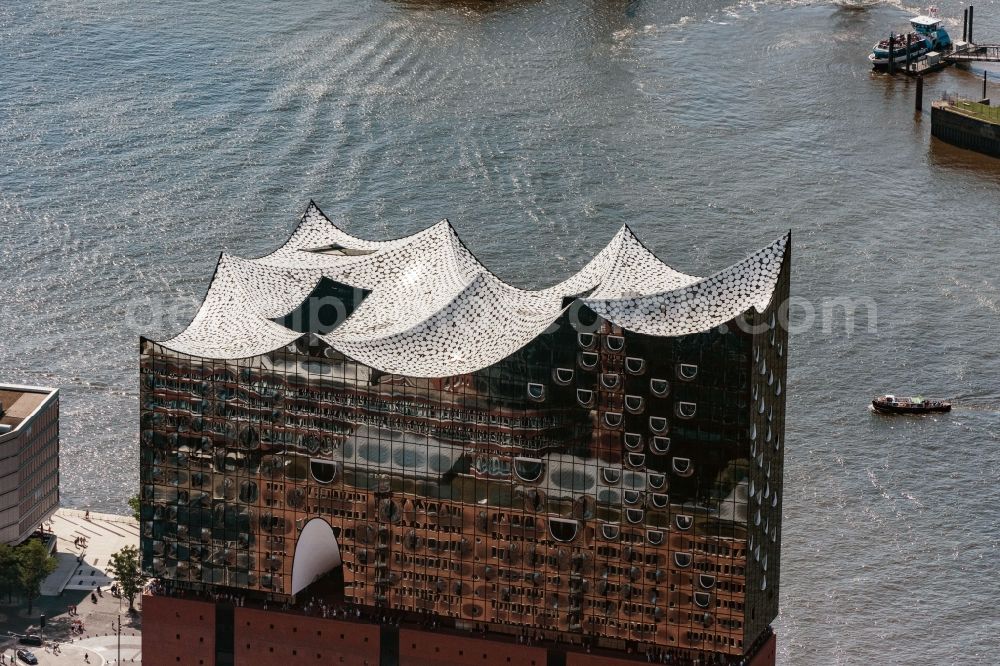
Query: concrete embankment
point(968, 125)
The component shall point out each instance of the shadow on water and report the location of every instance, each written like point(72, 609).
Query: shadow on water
point(470, 6)
point(945, 155)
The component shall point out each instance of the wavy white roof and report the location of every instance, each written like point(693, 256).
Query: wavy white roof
point(434, 311)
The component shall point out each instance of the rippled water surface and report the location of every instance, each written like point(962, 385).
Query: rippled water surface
point(140, 139)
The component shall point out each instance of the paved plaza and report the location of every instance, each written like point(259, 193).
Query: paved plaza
point(85, 545)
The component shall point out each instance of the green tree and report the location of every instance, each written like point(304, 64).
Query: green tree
point(10, 579)
point(127, 568)
point(133, 503)
point(34, 564)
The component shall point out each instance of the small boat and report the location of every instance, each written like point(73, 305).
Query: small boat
point(928, 35)
point(890, 404)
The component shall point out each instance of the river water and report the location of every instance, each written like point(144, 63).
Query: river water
point(140, 139)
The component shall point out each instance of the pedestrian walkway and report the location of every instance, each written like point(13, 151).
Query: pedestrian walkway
point(86, 542)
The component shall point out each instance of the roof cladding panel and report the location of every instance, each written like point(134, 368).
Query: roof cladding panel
point(435, 311)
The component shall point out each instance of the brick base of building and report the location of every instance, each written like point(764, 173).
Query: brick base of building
point(188, 631)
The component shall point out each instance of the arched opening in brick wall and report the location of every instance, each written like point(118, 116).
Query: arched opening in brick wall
point(317, 558)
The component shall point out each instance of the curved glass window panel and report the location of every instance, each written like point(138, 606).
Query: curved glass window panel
point(682, 466)
point(774, 499)
point(572, 479)
point(633, 403)
point(682, 560)
point(654, 537)
point(611, 475)
point(633, 441)
point(248, 492)
point(311, 443)
point(636, 460)
point(634, 516)
point(761, 406)
point(702, 599)
point(659, 387)
point(610, 532)
point(536, 391)
point(634, 480)
point(528, 470)
point(658, 424)
point(659, 500)
point(660, 445)
point(563, 530)
point(295, 497)
point(657, 481)
point(777, 388)
point(707, 581)
point(610, 380)
point(377, 452)
point(588, 360)
point(763, 583)
point(686, 410)
point(612, 419)
point(763, 367)
point(586, 340)
point(770, 378)
point(323, 471)
point(585, 397)
point(687, 371)
point(683, 522)
point(635, 365)
point(614, 342)
point(609, 497)
point(756, 518)
point(632, 496)
point(562, 376)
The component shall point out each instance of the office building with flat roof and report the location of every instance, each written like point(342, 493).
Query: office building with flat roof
point(29, 459)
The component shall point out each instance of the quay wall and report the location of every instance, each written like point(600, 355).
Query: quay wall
point(965, 132)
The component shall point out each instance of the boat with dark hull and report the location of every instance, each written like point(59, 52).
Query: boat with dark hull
point(890, 404)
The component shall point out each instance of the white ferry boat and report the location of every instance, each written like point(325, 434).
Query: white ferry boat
point(928, 35)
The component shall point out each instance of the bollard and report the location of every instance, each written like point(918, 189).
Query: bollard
point(892, 55)
point(920, 93)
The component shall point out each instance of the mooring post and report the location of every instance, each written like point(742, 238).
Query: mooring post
point(920, 92)
point(892, 56)
point(909, 38)
point(965, 25)
point(971, 13)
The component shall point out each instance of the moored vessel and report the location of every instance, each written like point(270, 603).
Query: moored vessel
point(928, 35)
point(890, 404)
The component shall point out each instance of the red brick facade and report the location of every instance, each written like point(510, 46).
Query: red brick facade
point(178, 631)
point(182, 631)
point(265, 638)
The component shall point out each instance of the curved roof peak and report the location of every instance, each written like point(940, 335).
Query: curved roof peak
point(434, 310)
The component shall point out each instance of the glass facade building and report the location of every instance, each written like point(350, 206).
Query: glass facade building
point(600, 461)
